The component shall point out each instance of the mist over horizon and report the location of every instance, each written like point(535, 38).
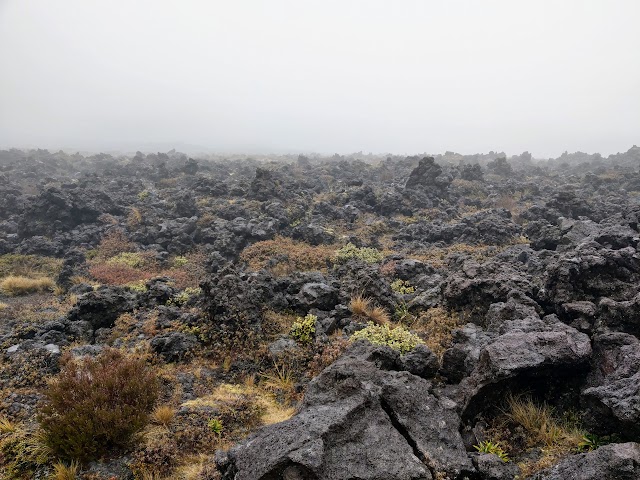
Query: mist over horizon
point(325, 77)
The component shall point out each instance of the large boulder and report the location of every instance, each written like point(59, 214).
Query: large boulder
point(102, 307)
point(612, 462)
point(612, 395)
point(358, 420)
point(528, 349)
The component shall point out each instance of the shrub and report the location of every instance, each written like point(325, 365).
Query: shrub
point(97, 404)
point(130, 259)
point(184, 296)
point(113, 243)
point(397, 338)
point(284, 255)
point(402, 287)
point(437, 325)
point(366, 254)
point(13, 285)
point(180, 261)
point(117, 274)
point(303, 329)
point(143, 195)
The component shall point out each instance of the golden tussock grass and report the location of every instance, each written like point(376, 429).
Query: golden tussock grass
point(18, 285)
point(65, 472)
point(361, 306)
point(163, 415)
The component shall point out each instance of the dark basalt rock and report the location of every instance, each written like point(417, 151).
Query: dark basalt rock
point(174, 346)
point(355, 407)
point(612, 395)
point(612, 462)
point(527, 349)
point(102, 307)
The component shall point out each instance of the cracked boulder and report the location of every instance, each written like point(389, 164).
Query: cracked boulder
point(619, 461)
point(358, 420)
point(613, 393)
point(527, 350)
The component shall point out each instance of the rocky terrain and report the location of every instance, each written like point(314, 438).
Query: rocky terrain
point(450, 317)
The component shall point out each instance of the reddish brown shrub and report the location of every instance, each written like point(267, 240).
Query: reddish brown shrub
point(117, 273)
point(97, 404)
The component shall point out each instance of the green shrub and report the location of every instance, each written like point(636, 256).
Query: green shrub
point(138, 287)
point(97, 404)
point(130, 259)
point(184, 296)
point(366, 254)
point(397, 338)
point(402, 287)
point(143, 195)
point(303, 329)
point(180, 261)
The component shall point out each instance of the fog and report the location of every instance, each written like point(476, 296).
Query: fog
point(321, 76)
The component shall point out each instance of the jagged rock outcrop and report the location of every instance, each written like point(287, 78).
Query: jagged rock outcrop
point(612, 462)
point(358, 420)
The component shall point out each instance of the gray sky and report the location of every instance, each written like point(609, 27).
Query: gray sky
point(325, 76)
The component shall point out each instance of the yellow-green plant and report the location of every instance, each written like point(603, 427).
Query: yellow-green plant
point(180, 261)
point(402, 287)
point(143, 195)
point(303, 329)
point(184, 296)
point(491, 447)
point(397, 338)
point(216, 427)
point(130, 259)
point(366, 254)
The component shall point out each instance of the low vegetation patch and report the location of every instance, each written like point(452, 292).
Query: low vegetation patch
point(283, 256)
point(18, 285)
point(29, 266)
point(365, 254)
point(397, 338)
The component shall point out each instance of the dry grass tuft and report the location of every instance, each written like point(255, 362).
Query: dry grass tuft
point(7, 426)
point(18, 285)
point(379, 316)
point(65, 472)
point(541, 424)
point(280, 382)
point(360, 305)
point(163, 415)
